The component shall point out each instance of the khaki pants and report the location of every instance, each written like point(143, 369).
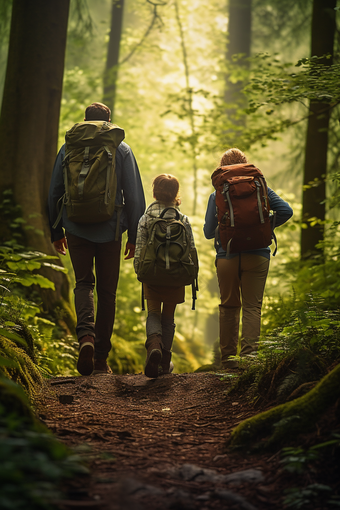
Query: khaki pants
point(242, 281)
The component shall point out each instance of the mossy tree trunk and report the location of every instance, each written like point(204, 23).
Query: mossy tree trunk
point(285, 422)
point(315, 168)
point(30, 117)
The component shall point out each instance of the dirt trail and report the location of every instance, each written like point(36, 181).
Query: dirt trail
point(157, 443)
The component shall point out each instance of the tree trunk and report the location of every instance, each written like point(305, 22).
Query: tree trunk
point(239, 30)
point(189, 107)
point(30, 117)
point(112, 60)
point(315, 169)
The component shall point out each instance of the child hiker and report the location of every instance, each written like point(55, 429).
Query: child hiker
point(164, 283)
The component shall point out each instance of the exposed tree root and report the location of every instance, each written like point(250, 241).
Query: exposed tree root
point(286, 421)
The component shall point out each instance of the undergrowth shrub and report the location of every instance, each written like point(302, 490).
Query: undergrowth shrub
point(295, 355)
point(33, 462)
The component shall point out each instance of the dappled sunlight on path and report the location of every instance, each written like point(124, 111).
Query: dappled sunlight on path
point(156, 443)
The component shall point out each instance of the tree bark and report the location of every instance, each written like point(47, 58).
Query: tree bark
point(315, 167)
point(30, 117)
point(239, 30)
point(112, 60)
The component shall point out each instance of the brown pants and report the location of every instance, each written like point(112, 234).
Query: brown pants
point(107, 262)
point(242, 281)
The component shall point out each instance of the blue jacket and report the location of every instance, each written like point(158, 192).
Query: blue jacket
point(283, 213)
point(129, 192)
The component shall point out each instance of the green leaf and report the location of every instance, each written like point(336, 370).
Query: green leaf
point(6, 362)
point(12, 336)
point(35, 279)
point(55, 267)
point(24, 265)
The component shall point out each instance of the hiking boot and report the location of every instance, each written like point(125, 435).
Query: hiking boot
point(85, 358)
point(101, 367)
point(166, 366)
point(153, 356)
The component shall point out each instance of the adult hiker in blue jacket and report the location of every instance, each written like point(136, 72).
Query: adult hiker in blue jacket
point(100, 242)
point(241, 277)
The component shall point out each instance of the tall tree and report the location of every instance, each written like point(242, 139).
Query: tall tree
point(112, 59)
point(189, 107)
point(30, 117)
point(315, 167)
point(239, 42)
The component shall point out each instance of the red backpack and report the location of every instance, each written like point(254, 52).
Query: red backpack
point(242, 208)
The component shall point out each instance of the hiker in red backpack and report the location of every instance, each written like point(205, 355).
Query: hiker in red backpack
point(241, 215)
point(97, 184)
point(168, 264)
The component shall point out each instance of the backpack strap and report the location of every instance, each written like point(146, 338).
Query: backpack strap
point(108, 173)
point(275, 241)
point(273, 224)
point(60, 208)
point(178, 216)
point(259, 203)
point(225, 193)
point(83, 172)
point(142, 297)
point(194, 290)
point(217, 240)
point(167, 246)
point(265, 192)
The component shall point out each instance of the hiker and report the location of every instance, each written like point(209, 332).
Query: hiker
point(163, 291)
point(242, 263)
point(93, 232)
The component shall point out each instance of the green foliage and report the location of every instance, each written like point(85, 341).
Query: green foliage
point(11, 227)
point(298, 461)
point(33, 461)
point(282, 425)
point(298, 353)
point(20, 317)
point(297, 497)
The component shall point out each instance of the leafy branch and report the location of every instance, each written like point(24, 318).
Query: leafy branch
point(155, 17)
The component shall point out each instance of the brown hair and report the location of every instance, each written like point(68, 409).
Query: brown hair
point(97, 111)
point(233, 157)
point(166, 189)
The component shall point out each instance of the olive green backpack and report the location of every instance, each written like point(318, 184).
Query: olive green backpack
point(89, 172)
point(167, 257)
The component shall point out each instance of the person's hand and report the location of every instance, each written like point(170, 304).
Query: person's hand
point(61, 246)
point(129, 251)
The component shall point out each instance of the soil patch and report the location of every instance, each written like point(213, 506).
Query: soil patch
point(156, 444)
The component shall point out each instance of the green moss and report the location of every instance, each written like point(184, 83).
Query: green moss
point(21, 369)
point(286, 421)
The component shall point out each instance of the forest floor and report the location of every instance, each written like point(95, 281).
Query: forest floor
point(154, 444)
